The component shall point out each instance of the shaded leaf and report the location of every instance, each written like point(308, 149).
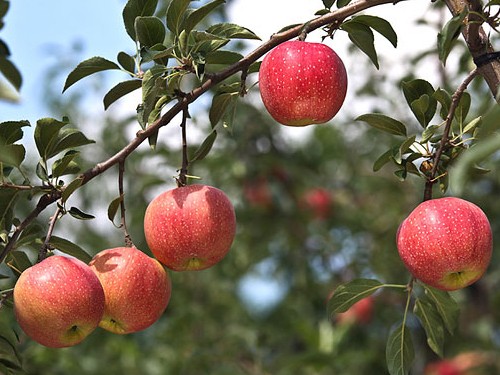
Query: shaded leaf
point(18, 261)
point(12, 155)
point(66, 139)
point(444, 98)
point(449, 35)
point(78, 214)
point(197, 15)
point(11, 131)
point(445, 305)
point(113, 208)
point(134, 9)
point(70, 188)
point(30, 235)
point(126, 61)
point(399, 351)
point(472, 125)
point(380, 25)
point(11, 73)
point(463, 107)
point(66, 165)
point(175, 15)
point(220, 104)
point(419, 95)
point(87, 68)
point(204, 148)
point(383, 159)
point(149, 31)
point(46, 131)
point(69, 248)
point(343, 3)
point(432, 323)
point(362, 37)
point(231, 31)
point(120, 90)
point(222, 57)
point(349, 293)
point(384, 123)
point(8, 198)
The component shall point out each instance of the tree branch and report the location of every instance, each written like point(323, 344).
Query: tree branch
point(477, 41)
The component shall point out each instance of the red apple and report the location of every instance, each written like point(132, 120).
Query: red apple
point(302, 83)
point(136, 286)
point(190, 227)
point(359, 313)
point(58, 302)
point(258, 193)
point(319, 202)
point(443, 367)
point(446, 243)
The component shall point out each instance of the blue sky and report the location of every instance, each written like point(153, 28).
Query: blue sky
point(32, 27)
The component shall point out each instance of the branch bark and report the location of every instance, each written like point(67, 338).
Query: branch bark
point(478, 42)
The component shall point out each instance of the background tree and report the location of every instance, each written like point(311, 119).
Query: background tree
point(264, 309)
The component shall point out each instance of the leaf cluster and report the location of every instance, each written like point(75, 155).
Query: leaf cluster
point(7, 67)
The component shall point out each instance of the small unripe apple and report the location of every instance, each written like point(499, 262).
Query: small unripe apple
point(446, 243)
point(302, 83)
point(137, 289)
point(190, 227)
point(59, 301)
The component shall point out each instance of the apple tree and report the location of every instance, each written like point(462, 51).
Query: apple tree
point(319, 278)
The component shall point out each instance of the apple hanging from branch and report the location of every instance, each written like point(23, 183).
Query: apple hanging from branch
point(137, 289)
point(59, 301)
point(190, 227)
point(302, 83)
point(446, 243)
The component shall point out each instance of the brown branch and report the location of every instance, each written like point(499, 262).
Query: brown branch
point(121, 173)
point(477, 41)
point(455, 100)
point(182, 181)
point(42, 254)
point(334, 17)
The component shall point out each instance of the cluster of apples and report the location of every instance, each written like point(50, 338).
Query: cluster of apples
point(61, 300)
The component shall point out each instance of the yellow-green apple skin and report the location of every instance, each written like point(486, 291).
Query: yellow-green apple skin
point(190, 227)
point(137, 289)
point(446, 243)
point(302, 83)
point(59, 301)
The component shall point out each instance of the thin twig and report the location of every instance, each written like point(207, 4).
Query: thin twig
point(455, 100)
point(121, 173)
point(42, 254)
point(185, 160)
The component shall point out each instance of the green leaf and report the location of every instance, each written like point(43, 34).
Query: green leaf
point(66, 165)
point(384, 123)
point(383, 159)
point(149, 31)
point(87, 68)
point(80, 215)
point(380, 25)
point(12, 155)
point(126, 61)
point(429, 132)
point(399, 351)
point(69, 248)
point(113, 208)
point(220, 104)
point(349, 293)
point(463, 108)
point(328, 3)
point(8, 198)
point(18, 261)
point(175, 15)
point(46, 131)
point(232, 31)
point(204, 148)
point(134, 9)
point(120, 90)
point(11, 131)
point(444, 98)
point(66, 139)
point(9, 70)
point(197, 15)
point(29, 236)
point(405, 146)
point(419, 95)
point(450, 34)
point(362, 37)
point(343, 3)
point(432, 323)
point(222, 57)
point(445, 305)
point(70, 188)
point(472, 125)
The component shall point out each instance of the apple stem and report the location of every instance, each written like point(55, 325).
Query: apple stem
point(42, 253)
point(123, 225)
point(182, 180)
point(455, 100)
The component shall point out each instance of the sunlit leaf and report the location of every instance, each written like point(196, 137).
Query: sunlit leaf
point(69, 248)
point(463, 108)
point(134, 9)
point(444, 98)
point(432, 323)
point(380, 25)
point(362, 37)
point(199, 14)
point(349, 293)
point(120, 90)
point(149, 31)
point(87, 68)
point(175, 15)
point(399, 351)
point(419, 95)
point(449, 34)
point(231, 31)
point(384, 123)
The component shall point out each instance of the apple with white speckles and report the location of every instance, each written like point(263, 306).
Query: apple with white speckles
point(58, 302)
point(302, 83)
point(446, 243)
point(190, 227)
point(137, 289)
